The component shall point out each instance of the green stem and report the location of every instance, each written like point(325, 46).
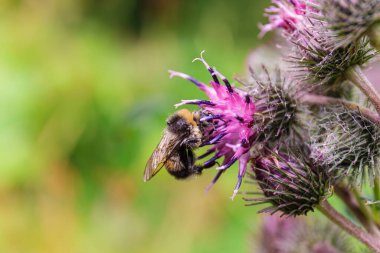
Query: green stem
point(311, 99)
point(363, 216)
point(357, 77)
point(376, 189)
point(366, 238)
point(367, 211)
point(374, 35)
point(376, 194)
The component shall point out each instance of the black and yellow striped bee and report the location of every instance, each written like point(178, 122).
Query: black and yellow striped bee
point(175, 150)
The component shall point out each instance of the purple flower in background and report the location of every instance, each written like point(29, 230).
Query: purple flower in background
point(287, 235)
point(229, 119)
point(284, 14)
point(277, 232)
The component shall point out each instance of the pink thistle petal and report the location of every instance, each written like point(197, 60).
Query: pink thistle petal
point(208, 90)
point(285, 15)
point(195, 102)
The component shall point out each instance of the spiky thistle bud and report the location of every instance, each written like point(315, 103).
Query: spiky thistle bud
point(291, 183)
point(316, 63)
point(348, 144)
point(316, 58)
point(277, 110)
point(348, 20)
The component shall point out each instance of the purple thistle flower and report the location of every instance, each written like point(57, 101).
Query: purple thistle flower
point(284, 14)
point(229, 118)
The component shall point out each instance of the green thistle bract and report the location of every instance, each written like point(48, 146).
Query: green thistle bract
point(349, 145)
point(316, 63)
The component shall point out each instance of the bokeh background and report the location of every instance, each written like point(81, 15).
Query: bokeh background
point(84, 93)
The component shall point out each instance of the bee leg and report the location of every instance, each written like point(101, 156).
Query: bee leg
point(198, 169)
point(190, 158)
point(214, 140)
point(185, 163)
point(208, 152)
point(191, 142)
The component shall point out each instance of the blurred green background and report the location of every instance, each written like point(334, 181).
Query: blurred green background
point(84, 93)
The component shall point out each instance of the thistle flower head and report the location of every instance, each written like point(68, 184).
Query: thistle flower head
point(348, 144)
point(290, 184)
point(229, 114)
point(316, 58)
point(285, 15)
point(277, 110)
point(348, 20)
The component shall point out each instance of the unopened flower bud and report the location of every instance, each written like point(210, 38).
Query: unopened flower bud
point(348, 20)
point(349, 145)
point(277, 110)
point(317, 64)
point(292, 184)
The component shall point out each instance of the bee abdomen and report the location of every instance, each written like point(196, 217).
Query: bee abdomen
point(180, 174)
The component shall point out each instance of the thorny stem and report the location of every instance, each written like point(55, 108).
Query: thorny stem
point(366, 209)
point(311, 99)
point(364, 216)
point(377, 189)
point(376, 195)
point(357, 77)
point(366, 238)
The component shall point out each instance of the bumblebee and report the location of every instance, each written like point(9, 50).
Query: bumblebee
point(175, 150)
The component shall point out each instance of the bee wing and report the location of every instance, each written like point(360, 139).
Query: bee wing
point(163, 150)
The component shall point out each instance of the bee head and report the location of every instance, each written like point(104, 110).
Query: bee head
point(181, 122)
